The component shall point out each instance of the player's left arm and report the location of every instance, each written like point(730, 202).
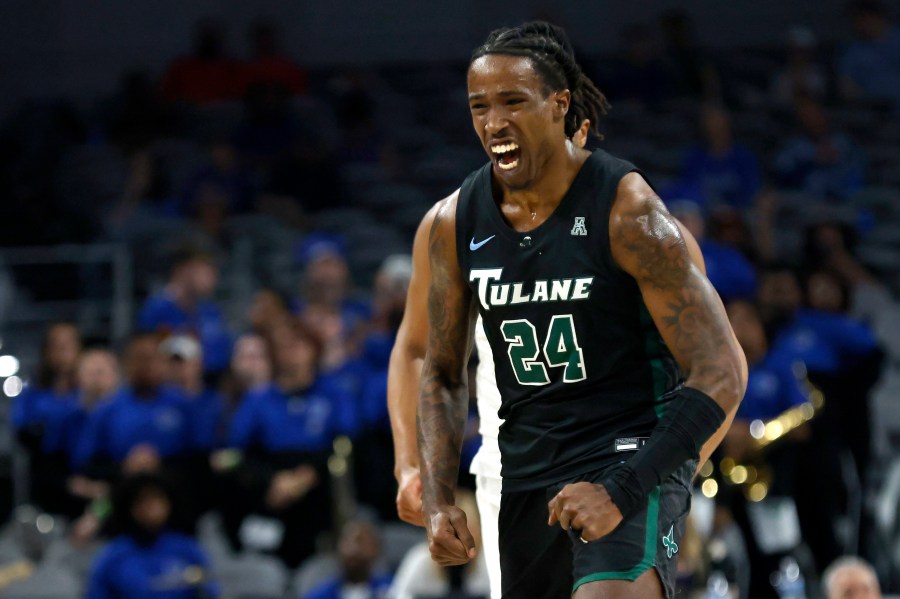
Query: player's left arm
point(648, 243)
point(710, 446)
point(663, 257)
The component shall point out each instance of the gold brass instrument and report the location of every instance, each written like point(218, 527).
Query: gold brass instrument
point(755, 477)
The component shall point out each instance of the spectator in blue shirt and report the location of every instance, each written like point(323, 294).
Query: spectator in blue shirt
point(147, 557)
point(772, 388)
point(39, 408)
point(221, 178)
point(61, 423)
point(358, 549)
point(284, 433)
point(206, 412)
point(869, 67)
point(843, 359)
point(730, 272)
point(375, 453)
point(802, 74)
point(342, 361)
point(326, 280)
point(269, 310)
point(773, 385)
point(55, 380)
point(827, 343)
point(98, 378)
point(141, 426)
point(184, 371)
point(817, 160)
point(251, 369)
point(727, 172)
point(185, 305)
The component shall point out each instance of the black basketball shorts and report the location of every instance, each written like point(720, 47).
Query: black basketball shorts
point(545, 562)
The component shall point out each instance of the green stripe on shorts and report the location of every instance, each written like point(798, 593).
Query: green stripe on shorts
point(649, 549)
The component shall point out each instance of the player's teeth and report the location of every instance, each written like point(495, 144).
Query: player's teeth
point(502, 149)
point(510, 166)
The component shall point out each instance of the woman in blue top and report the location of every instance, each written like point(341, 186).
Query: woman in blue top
point(148, 559)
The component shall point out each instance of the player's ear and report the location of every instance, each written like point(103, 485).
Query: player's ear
point(580, 136)
point(561, 102)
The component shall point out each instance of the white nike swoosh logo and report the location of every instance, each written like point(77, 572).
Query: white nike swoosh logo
point(474, 246)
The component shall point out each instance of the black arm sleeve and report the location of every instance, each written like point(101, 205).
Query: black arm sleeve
point(690, 420)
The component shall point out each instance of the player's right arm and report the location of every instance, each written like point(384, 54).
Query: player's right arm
point(443, 401)
point(404, 377)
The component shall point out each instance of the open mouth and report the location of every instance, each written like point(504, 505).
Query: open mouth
point(507, 155)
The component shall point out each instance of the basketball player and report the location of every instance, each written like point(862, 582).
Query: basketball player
point(613, 354)
point(403, 389)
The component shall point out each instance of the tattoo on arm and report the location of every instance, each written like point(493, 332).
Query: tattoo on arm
point(683, 303)
point(444, 399)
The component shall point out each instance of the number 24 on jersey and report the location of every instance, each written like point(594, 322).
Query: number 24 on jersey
point(560, 350)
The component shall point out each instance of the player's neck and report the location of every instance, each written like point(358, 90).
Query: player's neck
point(548, 190)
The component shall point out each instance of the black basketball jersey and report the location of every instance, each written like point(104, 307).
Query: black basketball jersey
point(579, 362)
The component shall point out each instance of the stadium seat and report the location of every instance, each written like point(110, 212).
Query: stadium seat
point(78, 560)
point(251, 576)
point(397, 539)
point(47, 582)
point(314, 571)
point(212, 537)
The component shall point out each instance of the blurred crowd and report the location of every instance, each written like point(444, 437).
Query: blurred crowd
point(248, 421)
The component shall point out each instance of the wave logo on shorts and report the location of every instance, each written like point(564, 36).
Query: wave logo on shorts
point(669, 543)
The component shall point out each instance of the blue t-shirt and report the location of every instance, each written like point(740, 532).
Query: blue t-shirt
point(874, 66)
point(207, 420)
point(799, 166)
point(35, 406)
point(60, 418)
point(377, 587)
point(41, 410)
point(732, 179)
point(63, 431)
point(373, 401)
point(772, 388)
point(826, 343)
point(304, 421)
point(349, 378)
point(173, 567)
point(729, 271)
point(124, 421)
point(369, 374)
point(161, 313)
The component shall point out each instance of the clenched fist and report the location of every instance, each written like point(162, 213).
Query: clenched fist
point(449, 539)
point(584, 507)
point(409, 496)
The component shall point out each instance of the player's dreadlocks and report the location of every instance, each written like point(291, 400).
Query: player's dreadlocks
point(549, 49)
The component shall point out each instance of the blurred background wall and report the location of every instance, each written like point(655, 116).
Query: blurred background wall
point(79, 49)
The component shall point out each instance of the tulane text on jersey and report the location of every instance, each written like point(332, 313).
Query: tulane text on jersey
point(502, 294)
